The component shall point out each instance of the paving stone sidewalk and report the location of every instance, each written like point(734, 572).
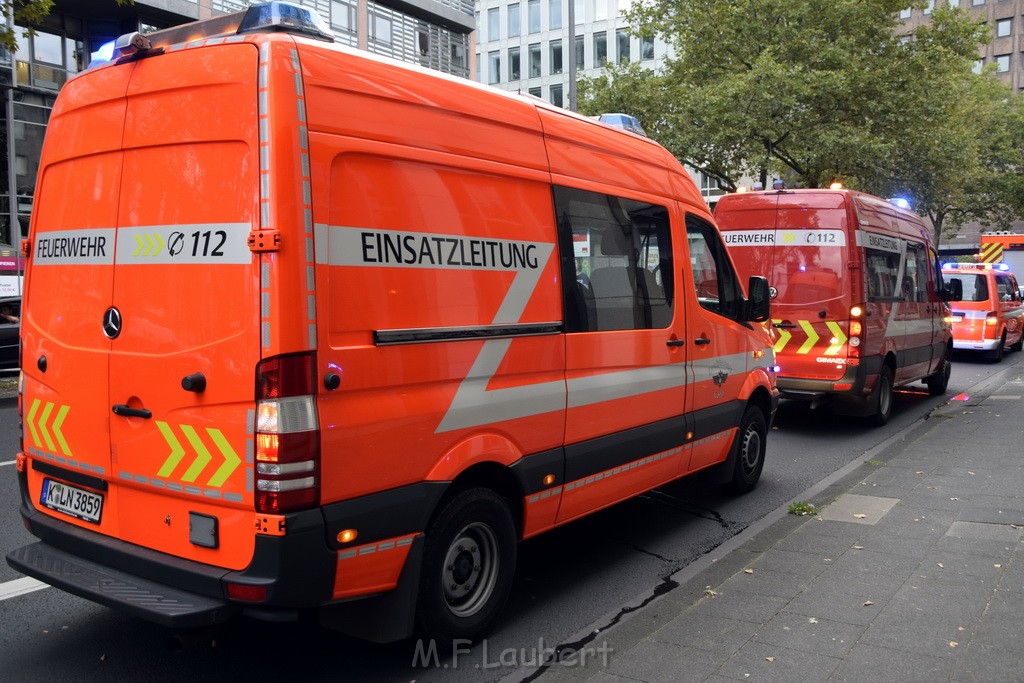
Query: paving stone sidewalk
point(912, 571)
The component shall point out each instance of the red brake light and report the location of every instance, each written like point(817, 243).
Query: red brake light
point(287, 435)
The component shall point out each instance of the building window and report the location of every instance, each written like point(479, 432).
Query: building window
point(533, 15)
point(513, 64)
point(343, 16)
point(555, 56)
point(624, 6)
point(622, 40)
point(534, 91)
point(975, 3)
point(600, 49)
point(647, 47)
point(556, 95)
point(554, 14)
point(494, 24)
point(380, 29)
point(535, 60)
point(1004, 27)
point(580, 53)
point(600, 10)
point(494, 67)
point(978, 65)
point(905, 13)
point(579, 11)
point(1002, 64)
point(513, 20)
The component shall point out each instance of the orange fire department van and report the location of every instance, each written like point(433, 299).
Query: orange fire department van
point(308, 329)
point(856, 294)
point(989, 316)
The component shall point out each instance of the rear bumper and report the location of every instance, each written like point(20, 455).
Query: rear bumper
point(859, 377)
point(975, 344)
point(297, 570)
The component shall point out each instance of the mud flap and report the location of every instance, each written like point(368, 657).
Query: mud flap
point(386, 617)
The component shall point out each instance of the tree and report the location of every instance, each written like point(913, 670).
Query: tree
point(818, 91)
point(26, 13)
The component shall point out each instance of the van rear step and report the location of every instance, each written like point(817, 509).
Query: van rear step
point(149, 600)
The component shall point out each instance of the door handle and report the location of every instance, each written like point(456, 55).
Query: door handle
point(675, 342)
point(786, 326)
point(701, 341)
point(124, 411)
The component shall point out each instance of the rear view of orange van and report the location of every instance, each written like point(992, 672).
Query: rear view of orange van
point(990, 317)
point(328, 333)
point(856, 294)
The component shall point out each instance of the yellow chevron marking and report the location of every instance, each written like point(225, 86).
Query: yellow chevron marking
point(838, 339)
point(203, 456)
point(788, 237)
point(140, 242)
point(61, 414)
point(31, 423)
point(176, 454)
point(231, 460)
point(42, 426)
point(784, 337)
point(812, 337)
point(158, 243)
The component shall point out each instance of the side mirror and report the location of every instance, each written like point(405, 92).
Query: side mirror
point(758, 300)
point(952, 290)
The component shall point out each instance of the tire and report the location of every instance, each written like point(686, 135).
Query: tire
point(1018, 345)
point(748, 451)
point(469, 559)
point(938, 382)
point(883, 397)
point(996, 354)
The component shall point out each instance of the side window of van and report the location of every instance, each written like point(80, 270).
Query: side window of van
point(1006, 288)
point(713, 276)
point(883, 269)
point(915, 275)
point(617, 270)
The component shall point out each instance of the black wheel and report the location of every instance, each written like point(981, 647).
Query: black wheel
point(1018, 345)
point(748, 450)
point(883, 397)
point(468, 562)
point(938, 382)
point(996, 354)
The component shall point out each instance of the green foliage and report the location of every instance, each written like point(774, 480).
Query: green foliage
point(802, 509)
point(824, 90)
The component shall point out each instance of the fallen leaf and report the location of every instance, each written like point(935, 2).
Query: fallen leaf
point(103, 658)
point(940, 565)
point(954, 499)
point(919, 472)
point(770, 659)
point(868, 603)
point(970, 473)
point(860, 516)
point(812, 620)
point(953, 643)
point(997, 566)
point(748, 571)
point(710, 592)
point(858, 547)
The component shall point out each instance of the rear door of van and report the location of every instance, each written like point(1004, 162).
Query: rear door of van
point(141, 330)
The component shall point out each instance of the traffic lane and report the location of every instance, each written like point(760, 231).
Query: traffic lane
point(12, 532)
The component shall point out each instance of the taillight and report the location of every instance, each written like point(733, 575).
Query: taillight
point(287, 434)
point(856, 330)
point(991, 319)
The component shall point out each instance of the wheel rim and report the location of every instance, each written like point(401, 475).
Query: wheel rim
point(750, 454)
point(470, 569)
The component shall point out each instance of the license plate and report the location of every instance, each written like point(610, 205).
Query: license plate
point(72, 500)
point(958, 318)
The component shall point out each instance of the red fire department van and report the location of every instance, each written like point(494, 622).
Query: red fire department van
point(328, 332)
point(989, 316)
point(856, 294)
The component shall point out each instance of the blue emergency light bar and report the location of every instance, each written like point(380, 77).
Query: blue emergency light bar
point(976, 266)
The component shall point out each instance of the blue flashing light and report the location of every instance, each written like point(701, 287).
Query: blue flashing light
point(103, 55)
point(285, 16)
point(900, 202)
point(623, 122)
point(949, 266)
point(1002, 266)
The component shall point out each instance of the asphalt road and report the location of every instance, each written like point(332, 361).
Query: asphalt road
point(569, 582)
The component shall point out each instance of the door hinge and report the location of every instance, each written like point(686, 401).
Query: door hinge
point(264, 240)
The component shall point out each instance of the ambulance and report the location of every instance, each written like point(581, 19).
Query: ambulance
point(989, 317)
point(309, 331)
point(856, 292)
